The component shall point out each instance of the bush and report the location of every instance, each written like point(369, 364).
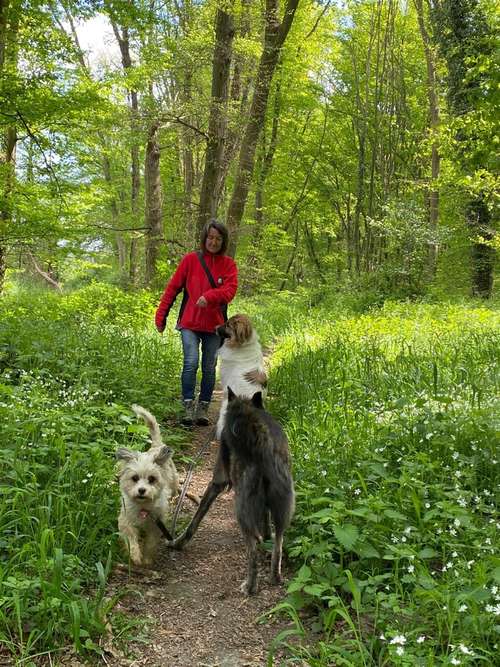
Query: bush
point(393, 424)
point(70, 366)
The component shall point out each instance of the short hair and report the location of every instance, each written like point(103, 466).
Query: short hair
point(221, 228)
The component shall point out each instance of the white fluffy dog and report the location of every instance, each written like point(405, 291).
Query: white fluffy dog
point(148, 480)
point(242, 362)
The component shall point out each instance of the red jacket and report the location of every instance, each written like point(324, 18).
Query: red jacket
point(191, 277)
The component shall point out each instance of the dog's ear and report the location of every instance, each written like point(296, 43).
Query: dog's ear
point(162, 456)
point(123, 454)
point(230, 395)
point(257, 400)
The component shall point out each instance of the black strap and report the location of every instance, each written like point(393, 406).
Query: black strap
point(207, 270)
point(212, 282)
point(164, 530)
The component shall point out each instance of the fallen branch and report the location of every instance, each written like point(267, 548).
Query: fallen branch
point(53, 283)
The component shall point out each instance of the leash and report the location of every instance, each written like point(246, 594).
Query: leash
point(164, 530)
point(187, 481)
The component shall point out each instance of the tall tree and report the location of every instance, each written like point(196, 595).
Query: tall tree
point(433, 102)
point(221, 68)
point(275, 34)
point(122, 34)
point(9, 25)
point(152, 188)
point(464, 33)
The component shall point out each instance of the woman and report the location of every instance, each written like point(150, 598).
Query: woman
point(209, 279)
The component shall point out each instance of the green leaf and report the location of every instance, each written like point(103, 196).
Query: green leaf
point(427, 552)
point(347, 535)
point(316, 590)
point(367, 550)
point(392, 514)
point(304, 573)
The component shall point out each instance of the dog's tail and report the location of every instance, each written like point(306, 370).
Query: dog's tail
point(151, 423)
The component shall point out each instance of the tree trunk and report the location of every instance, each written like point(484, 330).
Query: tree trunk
point(152, 184)
point(238, 97)
point(224, 34)
point(274, 38)
point(266, 161)
point(461, 29)
point(44, 274)
point(124, 44)
point(9, 25)
point(433, 193)
point(187, 157)
point(482, 254)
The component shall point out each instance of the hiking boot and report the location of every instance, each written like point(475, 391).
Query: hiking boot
point(202, 413)
point(188, 416)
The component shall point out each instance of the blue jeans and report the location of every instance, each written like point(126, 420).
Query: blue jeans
point(191, 348)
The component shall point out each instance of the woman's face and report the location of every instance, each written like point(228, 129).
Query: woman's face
point(214, 241)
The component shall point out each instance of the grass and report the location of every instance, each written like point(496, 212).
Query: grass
point(69, 369)
point(393, 420)
point(392, 416)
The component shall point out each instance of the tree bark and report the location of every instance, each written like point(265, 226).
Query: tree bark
point(152, 184)
point(274, 37)
point(44, 274)
point(460, 27)
point(124, 44)
point(482, 254)
point(433, 192)
point(9, 25)
point(238, 97)
point(187, 157)
point(224, 34)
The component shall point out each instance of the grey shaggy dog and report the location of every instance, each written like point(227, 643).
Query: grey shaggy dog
point(260, 473)
point(254, 459)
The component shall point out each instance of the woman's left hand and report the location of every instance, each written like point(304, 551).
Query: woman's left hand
point(202, 302)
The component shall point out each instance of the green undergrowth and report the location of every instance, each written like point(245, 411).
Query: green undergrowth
point(393, 420)
point(393, 428)
point(70, 367)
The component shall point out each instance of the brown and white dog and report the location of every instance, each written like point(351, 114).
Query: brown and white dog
point(241, 362)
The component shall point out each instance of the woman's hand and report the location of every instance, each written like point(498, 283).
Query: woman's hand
point(202, 302)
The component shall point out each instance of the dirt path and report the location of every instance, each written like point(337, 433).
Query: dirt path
point(199, 617)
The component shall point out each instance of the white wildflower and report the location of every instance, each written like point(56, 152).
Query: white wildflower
point(398, 639)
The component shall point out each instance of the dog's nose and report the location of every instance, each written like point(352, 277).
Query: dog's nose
point(141, 491)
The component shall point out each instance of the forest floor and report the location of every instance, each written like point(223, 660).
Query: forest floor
point(196, 614)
